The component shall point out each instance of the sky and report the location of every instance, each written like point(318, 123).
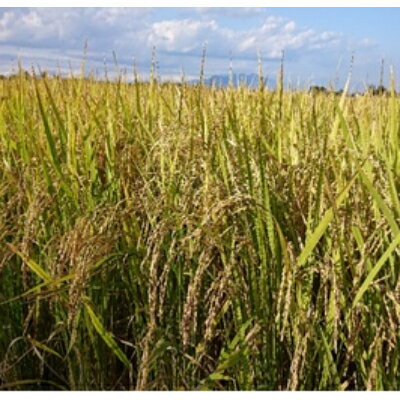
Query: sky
point(319, 43)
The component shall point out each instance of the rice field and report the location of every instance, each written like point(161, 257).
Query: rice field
point(162, 236)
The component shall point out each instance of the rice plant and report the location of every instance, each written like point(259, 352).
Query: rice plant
point(163, 236)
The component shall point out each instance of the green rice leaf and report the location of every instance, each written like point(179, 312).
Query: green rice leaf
point(106, 336)
point(378, 266)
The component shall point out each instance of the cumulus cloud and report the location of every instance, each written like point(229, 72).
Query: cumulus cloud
point(38, 34)
point(188, 35)
point(69, 27)
point(274, 35)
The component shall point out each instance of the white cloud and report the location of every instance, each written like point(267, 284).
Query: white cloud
point(40, 34)
point(273, 36)
point(182, 35)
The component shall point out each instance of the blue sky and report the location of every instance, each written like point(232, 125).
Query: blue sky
point(318, 42)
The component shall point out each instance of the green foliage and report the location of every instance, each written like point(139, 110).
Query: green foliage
point(174, 236)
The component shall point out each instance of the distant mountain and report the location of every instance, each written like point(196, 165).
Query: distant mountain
point(250, 80)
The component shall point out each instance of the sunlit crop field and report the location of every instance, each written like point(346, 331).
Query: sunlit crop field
point(159, 236)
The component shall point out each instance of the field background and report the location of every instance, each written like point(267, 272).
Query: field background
point(173, 236)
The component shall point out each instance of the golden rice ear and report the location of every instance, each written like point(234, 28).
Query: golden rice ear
point(158, 235)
